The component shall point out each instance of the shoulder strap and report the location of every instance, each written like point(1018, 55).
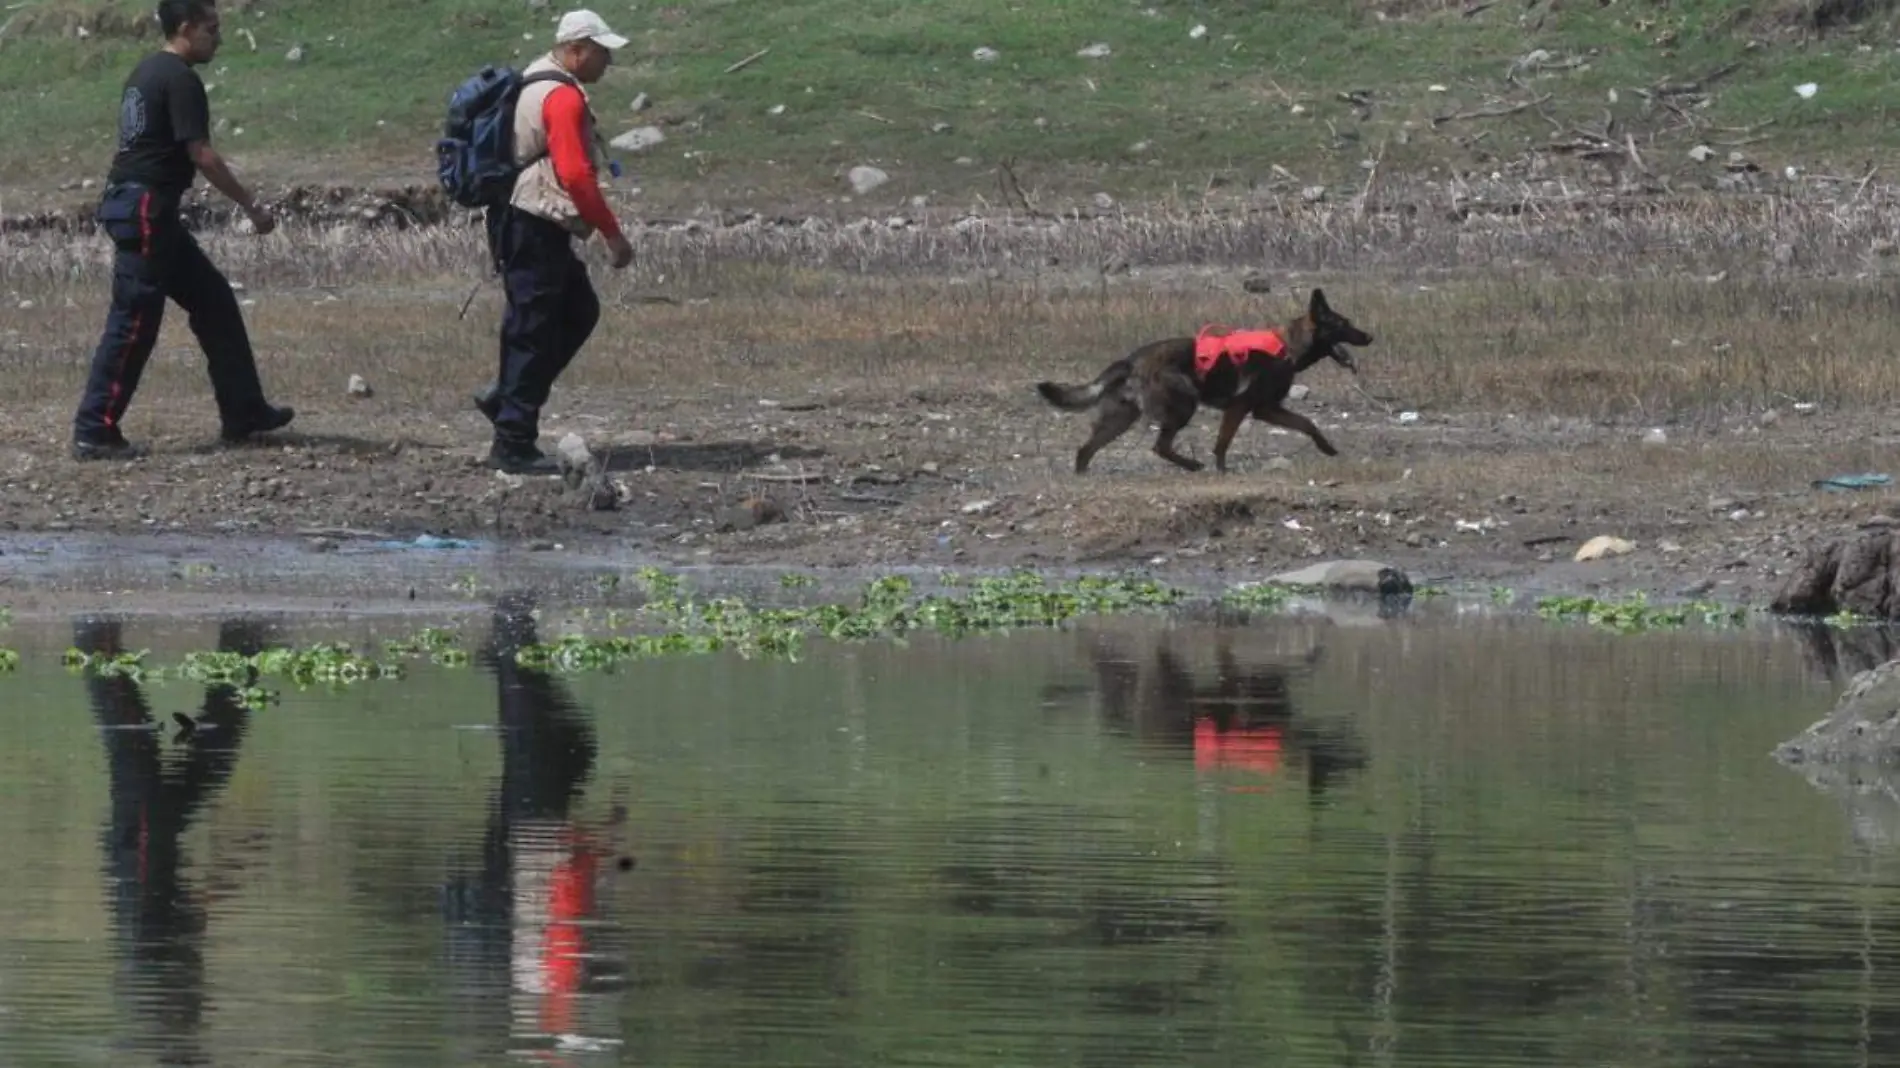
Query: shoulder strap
point(549, 76)
point(544, 76)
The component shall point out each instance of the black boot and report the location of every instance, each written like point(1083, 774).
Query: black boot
point(269, 419)
point(520, 458)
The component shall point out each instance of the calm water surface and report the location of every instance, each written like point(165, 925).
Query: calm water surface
point(1296, 843)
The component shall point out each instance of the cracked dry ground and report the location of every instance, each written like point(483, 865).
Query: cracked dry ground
point(981, 478)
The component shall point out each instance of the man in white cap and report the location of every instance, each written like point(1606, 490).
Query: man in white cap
point(552, 308)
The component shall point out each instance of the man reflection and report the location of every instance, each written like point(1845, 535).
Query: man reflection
point(522, 918)
point(158, 921)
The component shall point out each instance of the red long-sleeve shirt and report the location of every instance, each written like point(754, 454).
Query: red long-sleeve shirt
point(564, 114)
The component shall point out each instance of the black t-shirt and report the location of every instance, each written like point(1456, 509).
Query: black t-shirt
point(163, 107)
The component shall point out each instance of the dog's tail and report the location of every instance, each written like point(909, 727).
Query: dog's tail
point(1076, 398)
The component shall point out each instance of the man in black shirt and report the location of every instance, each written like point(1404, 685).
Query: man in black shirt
point(164, 140)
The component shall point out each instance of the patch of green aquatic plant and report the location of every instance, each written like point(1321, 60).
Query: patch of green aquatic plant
point(321, 664)
point(438, 644)
point(1635, 614)
point(9, 660)
point(1259, 596)
point(675, 622)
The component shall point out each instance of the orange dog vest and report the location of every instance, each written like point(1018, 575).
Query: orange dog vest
point(1216, 343)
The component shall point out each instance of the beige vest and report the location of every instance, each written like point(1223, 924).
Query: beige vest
point(538, 191)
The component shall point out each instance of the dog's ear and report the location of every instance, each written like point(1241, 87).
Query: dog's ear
point(1317, 305)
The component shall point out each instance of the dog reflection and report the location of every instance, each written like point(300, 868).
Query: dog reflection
point(1243, 717)
point(159, 919)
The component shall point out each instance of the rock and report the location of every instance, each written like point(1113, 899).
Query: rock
point(1095, 51)
point(1602, 546)
point(1299, 391)
point(638, 139)
point(1862, 728)
point(1353, 576)
point(985, 55)
point(864, 179)
point(1702, 153)
point(1855, 574)
point(1656, 436)
point(1313, 194)
point(641, 102)
point(1104, 202)
point(572, 453)
point(748, 514)
point(358, 387)
point(1255, 283)
point(296, 54)
point(1199, 31)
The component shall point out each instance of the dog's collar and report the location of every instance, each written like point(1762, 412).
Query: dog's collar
point(1216, 343)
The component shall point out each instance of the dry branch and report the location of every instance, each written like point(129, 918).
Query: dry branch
point(1495, 112)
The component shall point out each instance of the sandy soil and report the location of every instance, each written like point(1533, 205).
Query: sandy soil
point(971, 479)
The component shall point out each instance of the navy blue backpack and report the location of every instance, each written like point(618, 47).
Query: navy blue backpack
point(475, 157)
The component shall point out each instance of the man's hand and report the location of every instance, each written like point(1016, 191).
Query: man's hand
point(622, 250)
point(261, 219)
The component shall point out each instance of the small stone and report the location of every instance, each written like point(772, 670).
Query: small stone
point(359, 387)
point(1602, 546)
point(1656, 436)
point(639, 139)
point(985, 55)
point(1094, 51)
point(641, 102)
point(572, 452)
point(864, 179)
point(1298, 391)
point(296, 54)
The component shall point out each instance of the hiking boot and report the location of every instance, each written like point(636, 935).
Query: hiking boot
point(521, 459)
point(110, 447)
point(488, 401)
point(271, 418)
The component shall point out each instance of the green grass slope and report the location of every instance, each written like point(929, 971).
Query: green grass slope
point(1315, 89)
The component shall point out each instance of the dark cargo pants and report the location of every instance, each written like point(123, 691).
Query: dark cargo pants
point(552, 310)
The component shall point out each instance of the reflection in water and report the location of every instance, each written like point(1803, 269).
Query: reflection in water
point(1243, 718)
point(158, 920)
point(522, 923)
point(1572, 848)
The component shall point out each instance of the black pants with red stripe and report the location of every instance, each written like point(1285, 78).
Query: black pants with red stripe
point(156, 259)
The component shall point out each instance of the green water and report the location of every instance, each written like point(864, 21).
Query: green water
point(1500, 842)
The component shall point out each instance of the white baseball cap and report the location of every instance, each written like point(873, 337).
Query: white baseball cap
point(584, 25)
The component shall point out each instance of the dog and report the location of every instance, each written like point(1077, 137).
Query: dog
point(1242, 374)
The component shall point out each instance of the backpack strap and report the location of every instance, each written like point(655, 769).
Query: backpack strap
point(544, 76)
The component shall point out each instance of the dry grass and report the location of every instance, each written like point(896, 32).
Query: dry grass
point(1717, 310)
